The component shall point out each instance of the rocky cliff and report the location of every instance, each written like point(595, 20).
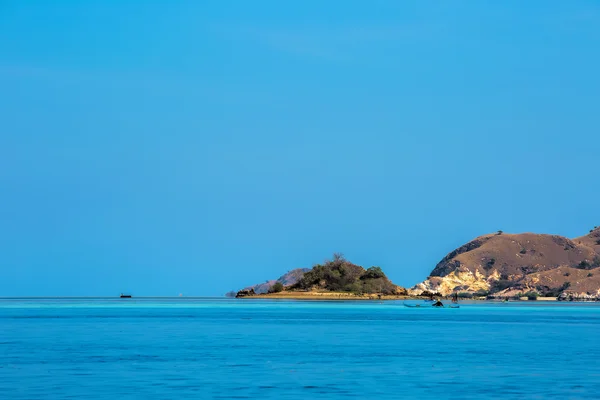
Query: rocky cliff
point(507, 264)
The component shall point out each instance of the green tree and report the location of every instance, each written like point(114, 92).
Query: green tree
point(584, 265)
point(355, 287)
point(276, 288)
point(531, 295)
point(373, 273)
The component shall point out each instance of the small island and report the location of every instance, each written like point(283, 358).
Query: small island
point(335, 279)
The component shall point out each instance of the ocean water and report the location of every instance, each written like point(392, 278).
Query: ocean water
point(242, 349)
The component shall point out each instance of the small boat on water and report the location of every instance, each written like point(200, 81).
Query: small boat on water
point(125, 296)
point(429, 304)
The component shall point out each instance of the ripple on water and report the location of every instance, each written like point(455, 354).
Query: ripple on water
point(291, 350)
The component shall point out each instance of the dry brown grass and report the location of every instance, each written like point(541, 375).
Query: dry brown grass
point(312, 295)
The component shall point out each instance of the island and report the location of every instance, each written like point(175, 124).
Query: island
point(335, 279)
point(525, 265)
point(493, 266)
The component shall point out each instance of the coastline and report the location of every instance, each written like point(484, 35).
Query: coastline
point(333, 296)
point(327, 296)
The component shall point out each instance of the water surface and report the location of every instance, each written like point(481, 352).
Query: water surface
point(236, 349)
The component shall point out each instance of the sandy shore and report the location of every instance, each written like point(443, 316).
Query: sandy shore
point(351, 296)
point(326, 296)
point(541, 298)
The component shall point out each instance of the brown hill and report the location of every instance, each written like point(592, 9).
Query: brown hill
point(287, 279)
point(591, 240)
point(337, 275)
point(498, 262)
point(580, 281)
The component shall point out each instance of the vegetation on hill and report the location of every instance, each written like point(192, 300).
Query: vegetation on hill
point(276, 288)
point(509, 264)
point(336, 275)
point(340, 275)
point(501, 264)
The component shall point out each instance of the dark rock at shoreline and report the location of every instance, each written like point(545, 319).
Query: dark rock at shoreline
point(245, 293)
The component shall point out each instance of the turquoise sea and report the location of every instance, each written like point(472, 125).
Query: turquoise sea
point(242, 349)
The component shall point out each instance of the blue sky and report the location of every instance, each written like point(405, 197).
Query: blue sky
point(197, 147)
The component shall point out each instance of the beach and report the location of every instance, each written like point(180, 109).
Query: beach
point(293, 295)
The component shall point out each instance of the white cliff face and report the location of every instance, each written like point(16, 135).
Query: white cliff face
point(462, 280)
point(580, 295)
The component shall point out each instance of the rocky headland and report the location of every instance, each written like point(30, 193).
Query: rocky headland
point(498, 265)
point(509, 265)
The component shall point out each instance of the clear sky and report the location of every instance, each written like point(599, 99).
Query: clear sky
point(200, 146)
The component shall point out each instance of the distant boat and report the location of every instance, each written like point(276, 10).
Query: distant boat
point(426, 304)
point(125, 296)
